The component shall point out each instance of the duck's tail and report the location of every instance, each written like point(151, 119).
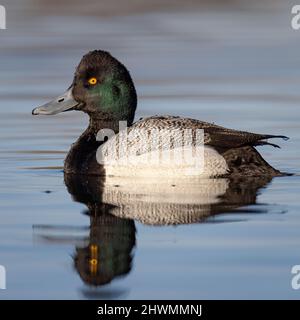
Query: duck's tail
point(248, 162)
point(261, 142)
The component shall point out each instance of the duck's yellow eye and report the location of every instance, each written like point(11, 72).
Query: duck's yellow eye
point(92, 81)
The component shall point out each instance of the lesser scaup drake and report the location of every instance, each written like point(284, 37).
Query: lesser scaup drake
point(102, 87)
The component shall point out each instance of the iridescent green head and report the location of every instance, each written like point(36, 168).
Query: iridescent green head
point(102, 87)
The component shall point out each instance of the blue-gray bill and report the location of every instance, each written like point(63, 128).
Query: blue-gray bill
point(62, 103)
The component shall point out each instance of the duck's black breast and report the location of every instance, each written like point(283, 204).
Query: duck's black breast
point(81, 158)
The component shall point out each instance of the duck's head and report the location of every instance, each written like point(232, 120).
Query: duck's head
point(102, 87)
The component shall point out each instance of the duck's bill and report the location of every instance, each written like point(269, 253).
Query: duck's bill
point(62, 103)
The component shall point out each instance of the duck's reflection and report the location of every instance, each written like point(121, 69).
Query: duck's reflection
point(108, 253)
point(111, 240)
point(114, 204)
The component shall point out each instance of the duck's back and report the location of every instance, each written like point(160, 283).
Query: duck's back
point(167, 146)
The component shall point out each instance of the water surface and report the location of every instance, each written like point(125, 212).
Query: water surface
point(236, 67)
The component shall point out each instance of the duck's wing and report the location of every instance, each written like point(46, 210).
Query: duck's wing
point(214, 135)
point(221, 137)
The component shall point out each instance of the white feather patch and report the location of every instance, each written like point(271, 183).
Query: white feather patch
point(205, 163)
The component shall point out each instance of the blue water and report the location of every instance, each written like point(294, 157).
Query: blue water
point(237, 68)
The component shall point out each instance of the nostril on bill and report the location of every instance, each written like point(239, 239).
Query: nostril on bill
point(61, 99)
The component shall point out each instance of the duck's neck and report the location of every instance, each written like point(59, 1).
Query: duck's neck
point(81, 159)
point(96, 125)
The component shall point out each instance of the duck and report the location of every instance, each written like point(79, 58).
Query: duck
point(103, 88)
